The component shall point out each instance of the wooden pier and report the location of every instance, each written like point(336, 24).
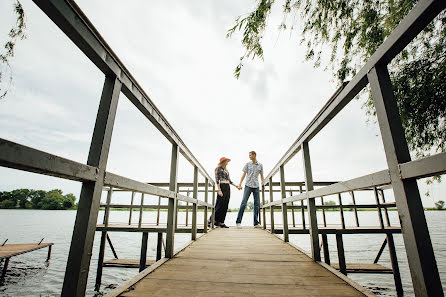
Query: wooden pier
point(251, 262)
point(240, 262)
point(7, 251)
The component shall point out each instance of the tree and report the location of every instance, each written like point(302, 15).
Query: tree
point(439, 204)
point(7, 204)
point(250, 205)
point(68, 201)
point(20, 195)
point(352, 31)
point(17, 32)
point(52, 200)
point(36, 197)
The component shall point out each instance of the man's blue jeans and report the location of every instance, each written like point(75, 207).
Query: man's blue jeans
point(246, 194)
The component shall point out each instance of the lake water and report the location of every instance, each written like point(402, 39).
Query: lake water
point(30, 275)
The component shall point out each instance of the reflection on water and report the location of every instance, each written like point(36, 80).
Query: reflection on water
point(31, 275)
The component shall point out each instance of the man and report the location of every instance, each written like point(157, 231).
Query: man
point(251, 171)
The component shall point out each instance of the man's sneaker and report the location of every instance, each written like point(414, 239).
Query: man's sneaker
point(239, 225)
point(257, 226)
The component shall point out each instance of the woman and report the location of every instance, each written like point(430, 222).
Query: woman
point(223, 181)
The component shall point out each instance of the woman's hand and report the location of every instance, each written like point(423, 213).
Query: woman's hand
point(220, 193)
point(239, 187)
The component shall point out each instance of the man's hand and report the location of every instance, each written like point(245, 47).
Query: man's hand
point(239, 187)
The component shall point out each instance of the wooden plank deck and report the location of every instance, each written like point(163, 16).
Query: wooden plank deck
point(240, 262)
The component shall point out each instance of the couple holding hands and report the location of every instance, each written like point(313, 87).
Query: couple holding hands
point(251, 171)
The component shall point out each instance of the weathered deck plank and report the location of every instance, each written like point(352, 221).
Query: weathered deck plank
point(236, 262)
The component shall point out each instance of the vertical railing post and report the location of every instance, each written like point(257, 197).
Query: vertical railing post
point(378, 208)
point(355, 209)
point(263, 208)
point(324, 218)
point(141, 209)
point(102, 243)
point(311, 204)
point(271, 198)
point(213, 207)
point(143, 257)
point(419, 250)
point(172, 203)
point(325, 248)
point(131, 207)
point(205, 219)
point(395, 267)
point(284, 206)
point(195, 205)
point(292, 210)
point(159, 246)
point(78, 264)
point(302, 209)
point(381, 193)
point(341, 253)
point(341, 211)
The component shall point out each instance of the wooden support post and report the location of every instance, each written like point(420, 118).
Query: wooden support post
point(263, 208)
point(419, 250)
point(194, 205)
point(49, 253)
point(158, 212)
point(324, 219)
point(381, 193)
point(78, 264)
point(213, 208)
point(143, 258)
point(286, 237)
point(314, 231)
point(187, 211)
point(381, 250)
point(141, 210)
point(205, 216)
point(5, 267)
point(271, 199)
point(159, 246)
point(292, 211)
point(131, 207)
point(304, 225)
point(341, 211)
point(395, 267)
point(112, 247)
point(341, 253)
point(325, 248)
point(172, 204)
point(104, 235)
point(354, 209)
point(378, 206)
point(100, 267)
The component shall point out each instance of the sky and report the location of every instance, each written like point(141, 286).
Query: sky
point(178, 52)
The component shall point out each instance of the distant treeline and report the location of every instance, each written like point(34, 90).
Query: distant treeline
point(37, 199)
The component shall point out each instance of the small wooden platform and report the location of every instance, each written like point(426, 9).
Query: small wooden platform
point(11, 250)
point(125, 263)
point(364, 268)
point(240, 262)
